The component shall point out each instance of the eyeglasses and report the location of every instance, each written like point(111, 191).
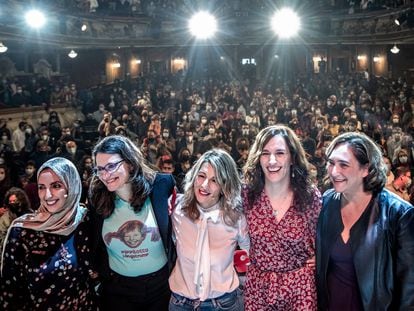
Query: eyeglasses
point(109, 168)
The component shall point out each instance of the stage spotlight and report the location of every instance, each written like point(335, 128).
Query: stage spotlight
point(202, 25)
point(406, 17)
point(72, 54)
point(3, 48)
point(401, 19)
point(35, 19)
point(285, 23)
point(395, 49)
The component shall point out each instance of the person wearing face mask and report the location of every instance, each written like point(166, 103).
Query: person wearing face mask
point(401, 158)
point(44, 135)
point(46, 261)
point(30, 140)
point(394, 143)
point(17, 204)
point(54, 125)
point(5, 182)
point(18, 137)
point(168, 140)
point(72, 152)
point(19, 99)
point(99, 114)
point(194, 116)
point(253, 118)
point(203, 127)
point(30, 171)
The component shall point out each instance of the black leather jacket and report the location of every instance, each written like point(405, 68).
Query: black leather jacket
point(382, 243)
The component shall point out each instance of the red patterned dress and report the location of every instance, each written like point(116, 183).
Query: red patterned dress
point(277, 278)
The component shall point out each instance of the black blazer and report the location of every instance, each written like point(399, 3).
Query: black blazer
point(382, 243)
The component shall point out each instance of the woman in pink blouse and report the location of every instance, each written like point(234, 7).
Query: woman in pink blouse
point(282, 207)
point(208, 224)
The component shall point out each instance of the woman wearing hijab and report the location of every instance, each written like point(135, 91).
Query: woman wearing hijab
point(45, 260)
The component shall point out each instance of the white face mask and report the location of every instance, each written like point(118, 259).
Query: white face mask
point(4, 138)
point(28, 130)
point(29, 171)
point(165, 135)
point(204, 121)
point(45, 137)
point(403, 159)
point(72, 150)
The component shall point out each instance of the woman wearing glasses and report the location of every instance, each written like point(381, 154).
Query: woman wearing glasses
point(46, 257)
point(125, 191)
point(282, 207)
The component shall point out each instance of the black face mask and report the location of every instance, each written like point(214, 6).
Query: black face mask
point(14, 207)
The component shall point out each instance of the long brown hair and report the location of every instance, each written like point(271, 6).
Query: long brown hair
point(299, 177)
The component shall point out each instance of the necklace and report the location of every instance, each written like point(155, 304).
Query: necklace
point(275, 211)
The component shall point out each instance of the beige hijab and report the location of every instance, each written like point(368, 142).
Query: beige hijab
point(64, 221)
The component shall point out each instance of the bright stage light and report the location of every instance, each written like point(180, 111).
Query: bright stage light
point(285, 23)
point(35, 19)
point(202, 25)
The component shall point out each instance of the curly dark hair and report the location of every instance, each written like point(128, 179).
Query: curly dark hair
point(300, 181)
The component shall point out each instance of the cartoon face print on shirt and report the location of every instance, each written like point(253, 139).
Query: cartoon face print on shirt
point(132, 234)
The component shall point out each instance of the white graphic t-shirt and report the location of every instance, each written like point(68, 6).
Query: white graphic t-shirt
point(132, 240)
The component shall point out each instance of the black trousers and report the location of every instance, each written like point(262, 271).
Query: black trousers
point(149, 292)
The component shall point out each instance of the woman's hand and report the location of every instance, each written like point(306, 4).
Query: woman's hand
point(311, 262)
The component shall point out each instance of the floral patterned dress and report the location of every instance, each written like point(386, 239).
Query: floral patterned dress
point(278, 278)
point(44, 271)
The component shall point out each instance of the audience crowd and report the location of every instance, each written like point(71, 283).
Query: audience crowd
point(174, 120)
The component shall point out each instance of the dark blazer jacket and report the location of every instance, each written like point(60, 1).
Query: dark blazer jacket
point(382, 243)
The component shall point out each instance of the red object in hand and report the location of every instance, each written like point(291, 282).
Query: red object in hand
point(241, 260)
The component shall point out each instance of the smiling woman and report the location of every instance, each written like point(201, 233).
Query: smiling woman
point(210, 211)
point(131, 227)
point(46, 258)
point(365, 233)
point(282, 207)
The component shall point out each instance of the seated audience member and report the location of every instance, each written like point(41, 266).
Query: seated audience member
point(41, 154)
point(5, 182)
point(30, 171)
point(72, 152)
point(17, 204)
point(18, 137)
